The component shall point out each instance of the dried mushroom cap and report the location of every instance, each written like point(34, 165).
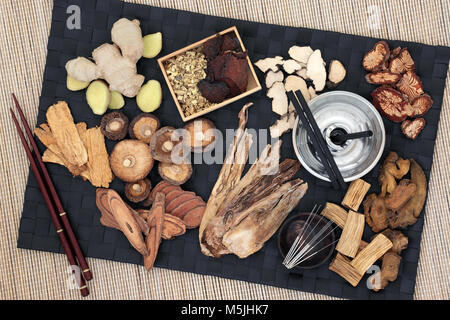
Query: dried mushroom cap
point(143, 127)
point(138, 191)
point(200, 134)
point(114, 125)
point(175, 173)
point(131, 160)
point(411, 129)
point(376, 58)
point(164, 142)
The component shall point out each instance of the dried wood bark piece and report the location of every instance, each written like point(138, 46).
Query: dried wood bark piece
point(355, 194)
point(341, 265)
point(98, 170)
point(335, 213)
point(65, 134)
point(374, 251)
point(351, 234)
point(111, 205)
point(155, 220)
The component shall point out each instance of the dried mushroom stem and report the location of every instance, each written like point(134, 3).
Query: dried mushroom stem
point(167, 146)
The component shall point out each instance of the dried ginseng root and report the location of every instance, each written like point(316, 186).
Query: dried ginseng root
point(375, 59)
point(155, 220)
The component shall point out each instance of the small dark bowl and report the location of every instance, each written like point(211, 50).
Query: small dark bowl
point(289, 231)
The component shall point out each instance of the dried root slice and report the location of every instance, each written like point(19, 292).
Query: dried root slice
point(390, 103)
point(65, 134)
point(110, 204)
point(302, 73)
point(388, 273)
point(355, 194)
point(181, 210)
point(383, 77)
point(336, 72)
point(272, 77)
point(138, 191)
point(282, 125)
point(279, 98)
point(421, 105)
point(98, 96)
point(117, 101)
point(152, 45)
point(411, 129)
point(315, 70)
point(155, 220)
point(300, 54)
point(294, 83)
point(404, 191)
point(143, 127)
point(341, 265)
point(408, 214)
point(201, 135)
point(376, 58)
point(131, 160)
point(76, 85)
point(398, 239)
point(371, 253)
point(410, 85)
point(291, 65)
point(193, 217)
point(312, 92)
point(351, 234)
point(375, 212)
point(159, 187)
point(401, 62)
point(166, 145)
point(269, 63)
point(175, 173)
point(149, 97)
point(182, 197)
point(172, 226)
point(114, 125)
point(393, 168)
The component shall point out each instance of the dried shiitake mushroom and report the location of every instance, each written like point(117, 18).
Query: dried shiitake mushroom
point(138, 191)
point(175, 173)
point(114, 125)
point(200, 136)
point(143, 127)
point(131, 160)
point(164, 141)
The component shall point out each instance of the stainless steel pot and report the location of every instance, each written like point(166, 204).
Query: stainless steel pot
point(346, 112)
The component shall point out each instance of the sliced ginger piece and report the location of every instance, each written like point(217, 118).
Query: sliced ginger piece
point(76, 85)
point(152, 45)
point(150, 96)
point(98, 97)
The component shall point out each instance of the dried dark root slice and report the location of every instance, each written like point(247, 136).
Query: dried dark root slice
point(402, 62)
point(411, 129)
point(138, 191)
point(390, 103)
point(421, 105)
point(383, 77)
point(410, 85)
point(165, 146)
point(201, 135)
point(376, 58)
point(114, 125)
point(143, 127)
point(175, 173)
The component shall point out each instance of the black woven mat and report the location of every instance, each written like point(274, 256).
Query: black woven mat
point(180, 28)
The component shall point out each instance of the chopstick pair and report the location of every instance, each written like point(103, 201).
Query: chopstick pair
point(60, 220)
point(314, 133)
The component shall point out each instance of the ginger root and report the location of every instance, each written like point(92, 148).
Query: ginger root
point(114, 63)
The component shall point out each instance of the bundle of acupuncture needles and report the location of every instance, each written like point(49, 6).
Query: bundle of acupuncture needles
point(306, 245)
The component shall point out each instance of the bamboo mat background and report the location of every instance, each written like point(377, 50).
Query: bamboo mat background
point(27, 274)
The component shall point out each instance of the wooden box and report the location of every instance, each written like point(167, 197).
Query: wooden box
point(253, 82)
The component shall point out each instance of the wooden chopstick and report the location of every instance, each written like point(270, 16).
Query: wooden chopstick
point(314, 134)
point(59, 228)
point(62, 213)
